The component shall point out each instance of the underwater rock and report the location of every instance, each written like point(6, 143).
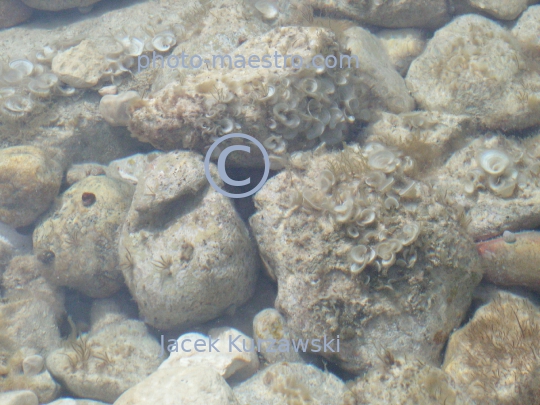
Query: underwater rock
point(512, 259)
point(402, 46)
point(222, 357)
point(110, 359)
point(400, 14)
point(186, 255)
point(187, 386)
point(77, 240)
point(29, 182)
point(500, 9)
point(41, 384)
point(474, 66)
point(116, 108)
point(286, 109)
point(76, 401)
point(20, 320)
point(427, 137)
point(56, 5)
point(24, 280)
point(494, 180)
point(493, 357)
point(363, 250)
point(81, 66)
point(407, 382)
point(526, 29)
point(18, 398)
point(13, 12)
point(81, 171)
point(131, 168)
point(383, 80)
point(293, 383)
point(270, 324)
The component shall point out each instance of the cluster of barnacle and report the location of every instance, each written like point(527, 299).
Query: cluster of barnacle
point(23, 82)
point(367, 191)
point(498, 171)
point(127, 48)
point(317, 107)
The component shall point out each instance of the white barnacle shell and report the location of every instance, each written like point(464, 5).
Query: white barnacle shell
point(494, 161)
point(23, 65)
point(504, 185)
point(135, 47)
point(17, 106)
point(391, 203)
point(365, 217)
point(410, 233)
point(383, 160)
point(268, 10)
point(326, 181)
point(46, 55)
point(43, 84)
point(359, 256)
point(6, 92)
point(344, 211)
point(164, 41)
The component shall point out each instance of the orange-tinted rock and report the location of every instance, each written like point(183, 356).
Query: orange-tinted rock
point(13, 12)
point(513, 259)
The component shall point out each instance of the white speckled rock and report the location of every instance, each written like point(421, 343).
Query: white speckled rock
point(386, 83)
point(18, 398)
point(501, 9)
point(81, 66)
point(186, 255)
point(196, 385)
point(402, 46)
point(494, 356)
point(474, 66)
point(121, 353)
point(293, 383)
point(131, 168)
point(527, 28)
point(29, 182)
point(408, 382)
point(224, 357)
point(77, 240)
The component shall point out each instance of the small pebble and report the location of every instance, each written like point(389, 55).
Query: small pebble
point(108, 90)
point(509, 237)
point(32, 365)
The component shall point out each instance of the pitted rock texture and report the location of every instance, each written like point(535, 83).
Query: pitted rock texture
point(185, 253)
point(320, 232)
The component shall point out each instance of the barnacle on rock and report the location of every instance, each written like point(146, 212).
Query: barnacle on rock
point(358, 189)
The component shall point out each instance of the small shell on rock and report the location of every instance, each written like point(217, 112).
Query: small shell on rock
point(268, 10)
point(22, 65)
point(164, 41)
point(509, 237)
point(17, 106)
point(32, 365)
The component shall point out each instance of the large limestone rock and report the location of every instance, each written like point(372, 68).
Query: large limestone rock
point(77, 241)
point(474, 66)
point(189, 386)
point(29, 182)
point(362, 251)
point(185, 253)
